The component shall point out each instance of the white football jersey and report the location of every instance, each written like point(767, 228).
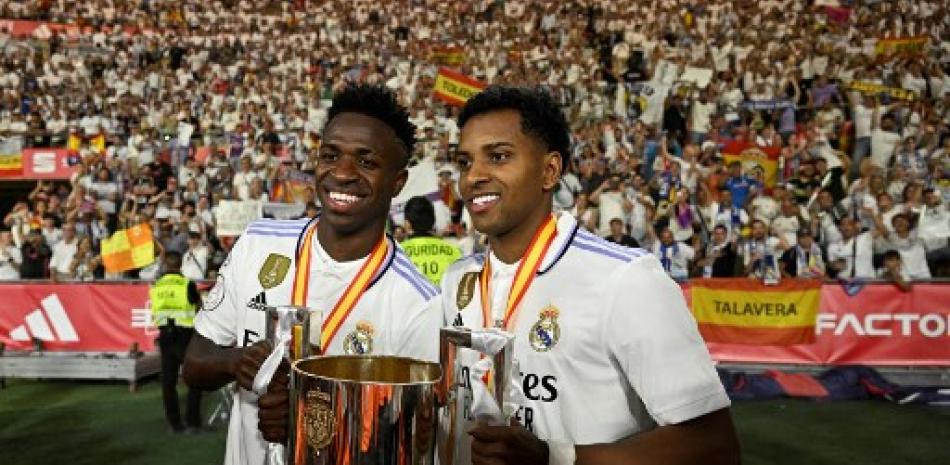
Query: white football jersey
point(400, 306)
point(606, 345)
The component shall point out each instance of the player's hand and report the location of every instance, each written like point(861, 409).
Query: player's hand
point(250, 362)
point(273, 408)
point(507, 445)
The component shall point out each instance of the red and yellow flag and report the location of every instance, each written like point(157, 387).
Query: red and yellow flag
point(455, 88)
point(74, 142)
point(754, 158)
point(11, 164)
point(128, 249)
point(745, 311)
point(98, 143)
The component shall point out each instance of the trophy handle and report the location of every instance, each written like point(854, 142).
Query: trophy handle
point(305, 326)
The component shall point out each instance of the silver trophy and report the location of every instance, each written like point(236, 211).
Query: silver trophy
point(452, 392)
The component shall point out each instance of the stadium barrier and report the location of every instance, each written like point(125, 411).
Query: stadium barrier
point(872, 323)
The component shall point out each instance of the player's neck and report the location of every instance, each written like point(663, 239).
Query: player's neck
point(349, 246)
point(512, 245)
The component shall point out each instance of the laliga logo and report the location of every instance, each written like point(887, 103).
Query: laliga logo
point(932, 325)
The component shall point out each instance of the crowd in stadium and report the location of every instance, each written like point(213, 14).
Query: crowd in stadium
point(174, 106)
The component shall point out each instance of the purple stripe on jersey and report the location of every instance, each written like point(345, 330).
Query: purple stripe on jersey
point(601, 242)
point(419, 277)
point(601, 251)
point(277, 225)
point(263, 232)
point(605, 244)
point(406, 274)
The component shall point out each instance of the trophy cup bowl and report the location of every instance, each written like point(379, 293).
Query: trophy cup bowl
point(363, 410)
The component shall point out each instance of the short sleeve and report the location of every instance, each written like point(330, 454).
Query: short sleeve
point(220, 309)
point(655, 341)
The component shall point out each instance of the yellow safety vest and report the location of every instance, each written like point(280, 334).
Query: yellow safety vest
point(169, 297)
point(431, 255)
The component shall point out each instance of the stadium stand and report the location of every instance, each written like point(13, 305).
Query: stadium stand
point(732, 138)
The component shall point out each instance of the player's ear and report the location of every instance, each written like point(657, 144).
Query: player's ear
point(400, 181)
point(553, 166)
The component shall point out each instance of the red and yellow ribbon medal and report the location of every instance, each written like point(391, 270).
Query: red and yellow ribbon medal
point(524, 276)
point(352, 294)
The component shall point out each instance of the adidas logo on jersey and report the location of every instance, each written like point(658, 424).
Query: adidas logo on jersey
point(458, 320)
point(259, 302)
point(38, 323)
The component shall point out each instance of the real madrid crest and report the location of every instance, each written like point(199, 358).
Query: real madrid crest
point(466, 289)
point(318, 419)
point(360, 341)
point(546, 332)
point(274, 270)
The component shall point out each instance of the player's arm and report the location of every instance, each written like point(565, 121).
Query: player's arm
point(708, 439)
point(661, 354)
point(214, 356)
point(210, 366)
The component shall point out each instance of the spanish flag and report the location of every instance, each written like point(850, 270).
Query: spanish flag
point(74, 142)
point(128, 249)
point(754, 158)
point(98, 143)
point(455, 88)
point(745, 311)
point(11, 164)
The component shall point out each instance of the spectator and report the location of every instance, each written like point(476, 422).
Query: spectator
point(195, 259)
point(852, 256)
point(674, 256)
point(719, 259)
point(36, 257)
point(804, 260)
point(253, 82)
point(619, 236)
point(10, 257)
point(893, 271)
point(761, 252)
point(739, 185)
point(63, 252)
point(85, 264)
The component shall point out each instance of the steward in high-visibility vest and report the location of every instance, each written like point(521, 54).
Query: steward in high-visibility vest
point(430, 254)
point(170, 303)
point(174, 302)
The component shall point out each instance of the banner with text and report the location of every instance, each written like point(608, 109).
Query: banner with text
point(449, 56)
point(897, 93)
point(763, 160)
point(902, 46)
point(880, 325)
point(455, 88)
point(745, 311)
point(233, 216)
point(77, 317)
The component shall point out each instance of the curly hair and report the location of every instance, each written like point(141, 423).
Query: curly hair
point(377, 102)
point(541, 117)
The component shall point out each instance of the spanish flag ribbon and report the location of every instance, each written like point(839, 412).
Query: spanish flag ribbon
point(344, 306)
point(524, 276)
